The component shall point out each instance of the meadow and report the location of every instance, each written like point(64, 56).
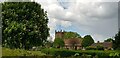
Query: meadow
point(59, 53)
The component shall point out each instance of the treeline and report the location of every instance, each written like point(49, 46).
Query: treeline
point(87, 40)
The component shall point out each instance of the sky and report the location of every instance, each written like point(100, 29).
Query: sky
point(98, 18)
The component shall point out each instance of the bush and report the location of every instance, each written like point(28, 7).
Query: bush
point(60, 52)
point(79, 53)
point(91, 48)
point(100, 47)
point(95, 48)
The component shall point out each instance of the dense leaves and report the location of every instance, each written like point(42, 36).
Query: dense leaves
point(93, 53)
point(71, 35)
point(24, 25)
point(87, 41)
point(116, 42)
point(108, 40)
point(58, 42)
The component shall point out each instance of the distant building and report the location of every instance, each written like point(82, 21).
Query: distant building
point(70, 43)
point(73, 43)
point(106, 45)
point(59, 34)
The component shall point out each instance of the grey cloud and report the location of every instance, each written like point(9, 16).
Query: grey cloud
point(104, 24)
point(88, 17)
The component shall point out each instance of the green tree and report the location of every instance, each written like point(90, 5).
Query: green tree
point(48, 44)
point(116, 42)
point(108, 40)
point(71, 35)
point(58, 42)
point(87, 41)
point(24, 25)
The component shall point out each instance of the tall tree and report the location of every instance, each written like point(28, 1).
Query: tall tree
point(87, 41)
point(116, 42)
point(24, 25)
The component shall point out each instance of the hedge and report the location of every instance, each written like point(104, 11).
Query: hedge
point(92, 53)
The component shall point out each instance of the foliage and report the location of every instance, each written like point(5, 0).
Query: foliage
point(91, 48)
point(116, 42)
point(68, 53)
point(57, 52)
point(58, 42)
point(24, 25)
point(20, 52)
point(108, 40)
point(87, 41)
point(71, 35)
point(114, 54)
point(49, 44)
point(99, 47)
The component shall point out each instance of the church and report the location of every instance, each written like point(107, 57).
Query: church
point(70, 43)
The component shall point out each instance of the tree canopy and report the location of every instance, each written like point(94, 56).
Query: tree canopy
point(87, 41)
point(71, 35)
point(108, 40)
point(116, 42)
point(58, 42)
point(24, 25)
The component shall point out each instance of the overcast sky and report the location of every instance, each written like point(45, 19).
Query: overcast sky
point(97, 18)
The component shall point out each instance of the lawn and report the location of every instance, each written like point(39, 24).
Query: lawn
point(20, 52)
point(61, 53)
point(0, 51)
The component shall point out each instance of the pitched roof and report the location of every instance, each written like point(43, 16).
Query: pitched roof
point(71, 41)
point(104, 44)
point(107, 44)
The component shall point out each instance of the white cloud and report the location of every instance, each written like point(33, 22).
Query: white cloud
point(65, 23)
point(98, 18)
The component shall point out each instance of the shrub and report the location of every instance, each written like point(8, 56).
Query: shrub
point(82, 53)
point(59, 52)
point(91, 48)
point(100, 47)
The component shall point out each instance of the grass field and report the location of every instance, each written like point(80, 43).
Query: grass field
point(60, 52)
point(20, 52)
point(0, 51)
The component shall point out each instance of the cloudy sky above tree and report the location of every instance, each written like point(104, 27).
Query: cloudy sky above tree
point(98, 18)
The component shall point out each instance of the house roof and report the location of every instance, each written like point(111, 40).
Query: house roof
point(104, 44)
point(107, 44)
point(71, 41)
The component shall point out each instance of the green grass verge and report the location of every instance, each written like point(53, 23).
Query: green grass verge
point(20, 52)
point(0, 51)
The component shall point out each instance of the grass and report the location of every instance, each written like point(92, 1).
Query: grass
point(0, 50)
point(54, 51)
point(20, 52)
